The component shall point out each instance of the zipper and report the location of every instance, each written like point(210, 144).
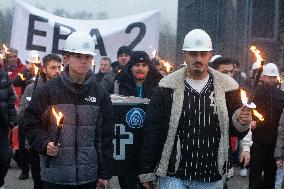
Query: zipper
point(76, 137)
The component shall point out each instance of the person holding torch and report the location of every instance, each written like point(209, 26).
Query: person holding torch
point(269, 102)
point(186, 130)
point(83, 157)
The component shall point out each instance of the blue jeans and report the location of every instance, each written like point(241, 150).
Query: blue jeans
point(279, 177)
point(171, 182)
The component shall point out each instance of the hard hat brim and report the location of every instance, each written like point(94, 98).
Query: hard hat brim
point(80, 52)
point(197, 49)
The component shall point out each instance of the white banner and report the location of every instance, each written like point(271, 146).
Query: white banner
point(35, 29)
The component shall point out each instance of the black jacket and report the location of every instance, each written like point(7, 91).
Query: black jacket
point(270, 103)
point(86, 149)
point(127, 86)
point(7, 101)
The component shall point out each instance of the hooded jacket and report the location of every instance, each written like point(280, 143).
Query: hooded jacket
point(85, 151)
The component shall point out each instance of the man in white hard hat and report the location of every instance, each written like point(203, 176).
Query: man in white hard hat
point(269, 102)
point(23, 79)
point(186, 138)
point(84, 157)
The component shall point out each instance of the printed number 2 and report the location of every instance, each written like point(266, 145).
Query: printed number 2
point(141, 34)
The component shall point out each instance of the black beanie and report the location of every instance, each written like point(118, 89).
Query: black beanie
point(123, 49)
point(138, 56)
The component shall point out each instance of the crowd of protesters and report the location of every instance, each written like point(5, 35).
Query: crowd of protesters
point(195, 131)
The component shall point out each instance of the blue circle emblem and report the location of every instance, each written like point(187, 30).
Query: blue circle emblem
point(135, 118)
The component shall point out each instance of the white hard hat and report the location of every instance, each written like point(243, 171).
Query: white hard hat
point(80, 42)
point(215, 57)
point(197, 40)
point(270, 69)
point(33, 57)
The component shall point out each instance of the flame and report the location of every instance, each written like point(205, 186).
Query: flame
point(279, 79)
point(57, 116)
point(93, 62)
point(36, 69)
point(257, 55)
point(22, 76)
point(244, 97)
point(6, 49)
point(62, 68)
point(154, 53)
point(167, 65)
point(258, 115)
point(2, 56)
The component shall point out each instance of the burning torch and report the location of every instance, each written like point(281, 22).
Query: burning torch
point(36, 67)
point(59, 125)
point(251, 105)
point(260, 63)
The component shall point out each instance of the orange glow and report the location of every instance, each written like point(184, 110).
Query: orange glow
point(154, 53)
point(36, 69)
point(166, 64)
point(257, 55)
point(6, 49)
point(244, 97)
point(258, 115)
point(22, 76)
point(58, 116)
point(2, 56)
point(279, 79)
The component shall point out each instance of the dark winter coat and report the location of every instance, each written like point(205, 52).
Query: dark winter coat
point(7, 101)
point(85, 151)
point(270, 103)
point(162, 120)
point(127, 85)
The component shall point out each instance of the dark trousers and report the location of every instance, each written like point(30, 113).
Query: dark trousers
point(5, 153)
point(129, 182)
point(48, 185)
point(262, 160)
point(23, 152)
point(35, 169)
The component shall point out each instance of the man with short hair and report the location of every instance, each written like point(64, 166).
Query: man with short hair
point(186, 135)
point(84, 157)
point(123, 57)
point(269, 101)
point(51, 68)
point(105, 67)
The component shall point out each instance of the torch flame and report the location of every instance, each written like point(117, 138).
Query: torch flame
point(279, 79)
point(244, 97)
point(257, 55)
point(58, 116)
point(22, 77)
point(258, 115)
point(154, 53)
point(36, 69)
point(62, 68)
point(2, 56)
point(6, 49)
point(167, 65)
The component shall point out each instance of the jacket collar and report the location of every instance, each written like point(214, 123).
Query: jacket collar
point(73, 86)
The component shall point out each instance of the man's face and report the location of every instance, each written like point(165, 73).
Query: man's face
point(123, 59)
point(197, 61)
point(269, 81)
point(236, 69)
point(12, 58)
point(140, 71)
point(78, 63)
point(52, 70)
point(226, 69)
point(105, 66)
